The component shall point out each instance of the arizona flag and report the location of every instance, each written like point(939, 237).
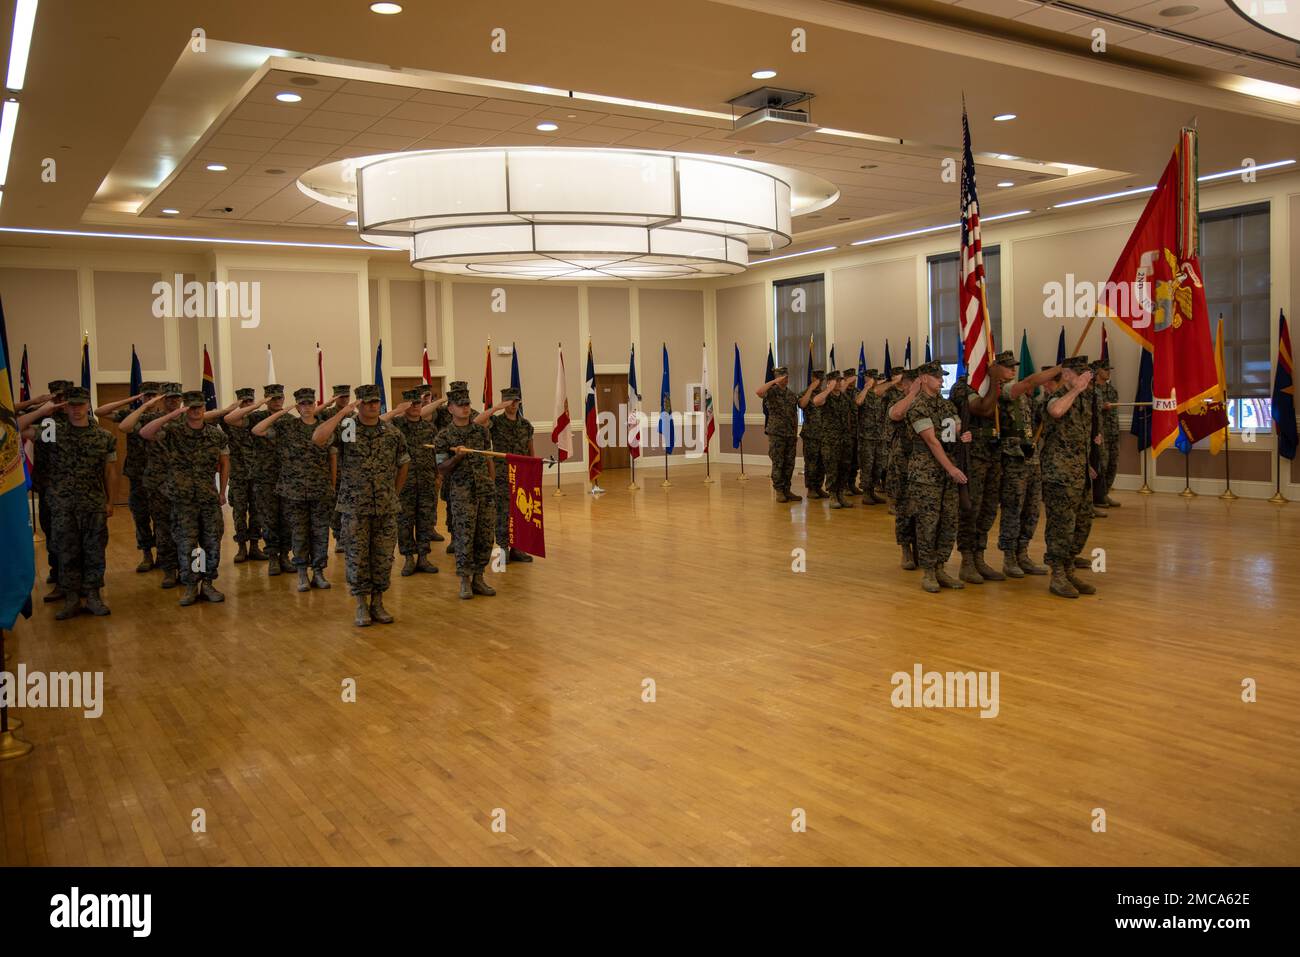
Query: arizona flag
point(560, 434)
point(1156, 294)
point(594, 467)
point(706, 399)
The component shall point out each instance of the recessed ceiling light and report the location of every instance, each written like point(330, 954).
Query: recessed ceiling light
point(763, 74)
point(352, 222)
point(1003, 117)
point(216, 168)
point(288, 97)
point(171, 212)
point(547, 127)
point(572, 116)
point(1180, 10)
point(387, 9)
point(1005, 183)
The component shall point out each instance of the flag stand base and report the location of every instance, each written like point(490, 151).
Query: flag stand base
point(665, 484)
point(15, 723)
point(557, 494)
point(633, 487)
point(1146, 489)
point(1187, 493)
point(1278, 499)
point(13, 747)
point(1229, 495)
point(709, 480)
point(742, 477)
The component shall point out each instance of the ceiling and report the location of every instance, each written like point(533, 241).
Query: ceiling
point(133, 116)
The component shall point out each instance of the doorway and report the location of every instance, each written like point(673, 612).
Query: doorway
point(107, 392)
point(611, 397)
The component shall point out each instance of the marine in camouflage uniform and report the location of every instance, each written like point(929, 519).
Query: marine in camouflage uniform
point(137, 457)
point(304, 485)
point(372, 466)
point(419, 498)
point(836, 438)
point(40, 484)
point(196, 452)
point(1019, 460)
point(271, 512)
point(79, 458)
point(900, 452)
point(243, 507)
point(470, 494)
point(441, 419)
point(156, 478)
point(514, 436)
point(814, 464)
point(1108, 404)
point(869, 434)
point(339, 400)
point(851, 453)
point(932, 478)
point(780, 407)
point(882, 444)
point(983, 470)
point(1066, 483)
point(1031, 508)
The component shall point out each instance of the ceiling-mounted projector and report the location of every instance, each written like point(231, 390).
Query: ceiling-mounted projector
point(771, 118)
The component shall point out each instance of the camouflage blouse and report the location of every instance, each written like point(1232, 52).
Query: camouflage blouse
point(869, 419)
point(156, 466)
point(471, 475)
point(1065, 442)
point(263, 460)
point(781, 406)
point(137, 449)
point(423, 475)
point(930, 412)
point(76, 458)
point(304, 465)
point(513, 437)
point(194, 457)
point(241, 451)
point(368, 466)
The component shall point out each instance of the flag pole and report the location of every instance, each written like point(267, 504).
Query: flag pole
point(1228, 494)
point(1145, 489)
point(11, 746)
point(742, 477)
point(665, 483)
point(1187, 491)
point(632, 486)
point(1278, 498)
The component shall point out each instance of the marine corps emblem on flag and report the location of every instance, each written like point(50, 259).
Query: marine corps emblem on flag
point(527, 528)
point(11, 451)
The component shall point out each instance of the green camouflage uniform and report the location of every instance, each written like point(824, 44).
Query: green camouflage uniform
point(137, 457)
point(1109, 436)
point(367, 498)
point(513, 438)
point(900, 453)
point(1066, 486)
point(419, 498)
point(194, 458)
point(303, 489)
point(157, 486)
point(1019, 458)
point(75, 488)
point(239, 491)
point(869, 434)
point(931, 492)
point(834, 441)
point(780, 405)
point(1031, 507)
point(983, 474)
point(40, 484)
point(882, 443)
point(265, 469)
point(472, 511)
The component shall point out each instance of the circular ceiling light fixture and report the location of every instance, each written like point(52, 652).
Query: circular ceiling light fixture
point(387, 9)
point(216, 168)
point(1179, 10)
point(1280, 19)
point(1004, 117)
point(763, 74)
point(171, 212)
point(288, 97)
point(1005, 183)
point(564, 213)
point(547, 127)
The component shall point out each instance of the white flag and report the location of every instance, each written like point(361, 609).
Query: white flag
point(270, 367)
point(560, 434)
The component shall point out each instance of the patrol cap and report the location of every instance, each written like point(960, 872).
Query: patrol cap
point(411, 395)
point(76, 394)
point(509, 394)
point(458, 397)
point(850, 373)
point(150, 388)
point(834, 375)
point(816, 373)
point(367, 393)
point(194, 397)
point(171, 389)
point(1006, 358)
point(342, 390)
point(306, 394)
point(245, 393)
point(909, 373)
point(458, 385)
point(1098, 364)
point(776, 373)
point(59, 385)
point(1076, 363)
point(274, 391)
point(933, 367)
point(872, 373)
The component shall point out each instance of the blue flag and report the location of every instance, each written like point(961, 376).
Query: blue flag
point(137, 377)
point(927, 349)
point(85, 363)
point(1141, 426)
point(832, 362)
point(737, 404)
point(17, 558)
point(768, 376)
point(631, 375)
point(514, 373)
point(862, 366)
point(665, 410)
point(379, 377)
point(1182, 443)
point(907, 354)
point(961, 360)
point(1060, 347)
point(1283, 407)
point(889, 367)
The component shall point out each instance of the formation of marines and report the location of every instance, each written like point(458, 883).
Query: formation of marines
point(290, 475)
point(949, 466)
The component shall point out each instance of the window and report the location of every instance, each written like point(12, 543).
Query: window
point(1235, 260)
point(945, 330)
point(800, 312)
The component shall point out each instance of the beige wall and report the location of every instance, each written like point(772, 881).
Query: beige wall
point(673, 317)
point(406, 322)
point(873, 303)
point(609, 315)
point(41, 309)
point(124, 303)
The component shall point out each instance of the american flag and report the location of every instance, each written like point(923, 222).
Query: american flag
point(976, 336)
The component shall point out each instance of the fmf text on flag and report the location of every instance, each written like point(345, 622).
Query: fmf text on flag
point(527, 528)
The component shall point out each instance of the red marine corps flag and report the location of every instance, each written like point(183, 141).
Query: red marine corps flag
point(973, 314)
point(527, 530)
point(1156, 293)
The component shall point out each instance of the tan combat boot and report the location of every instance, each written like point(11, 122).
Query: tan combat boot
point(170, 578)
point(303, 584)
point(1060, 584)
point(208, 592)
point(377, 611)
point(1110, 502)
point(146, 560)
point(241, 553)
point(428, 567)
point(1080, 585)
point(946, 580)
point(909, 560)
point(363, 612)
point(95, 605)
point(71, 606)
point(987, 571)
point(1027, 564)
point(480, 587)
point(969, 573)
point(408, 566)
point(1010, 565)
point(190, 595)
point(928, 580)
point(466, 591)
point(318, 579)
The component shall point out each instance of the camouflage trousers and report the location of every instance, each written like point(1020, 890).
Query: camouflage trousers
point(868, 462)
point(141, 516)
point(79, 537)
point(814, 464)
point(415, 521)
point(471, 519)
point(984, 484)
point(503, 508)
point(1022, 500)
point(331, 501)
point(369, 541)
point(904, 522)
point(780, 449)
point(835, 458)
point(934, 514)
point(46, 520)
point(271, 515)
point(309, 524)
point(164, 533)
point(243, 507)
point(882, 461)
point(197, 528)
point(1069, 520)
point(1110, 459)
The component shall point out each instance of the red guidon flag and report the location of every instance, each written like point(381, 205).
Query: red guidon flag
point(527, 530)
point(1156, 293)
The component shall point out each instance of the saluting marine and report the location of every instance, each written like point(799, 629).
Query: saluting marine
point(419, 498)
point(137, 457)
point(1067, 478)
point(780, 405)
point(243, 507)
point(898, 399)
point(341, 395)
point(468, 477)
point(265, 464)
point(814, 463)
point(1108, 405)
point(983, 472)
point(513, 434)
point(932, 478)
point(869, 434)
point(156, 478)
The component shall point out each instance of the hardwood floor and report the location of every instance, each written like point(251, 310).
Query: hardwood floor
point(772, 693)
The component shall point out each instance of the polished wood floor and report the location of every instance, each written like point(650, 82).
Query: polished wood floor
point(772, 693)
